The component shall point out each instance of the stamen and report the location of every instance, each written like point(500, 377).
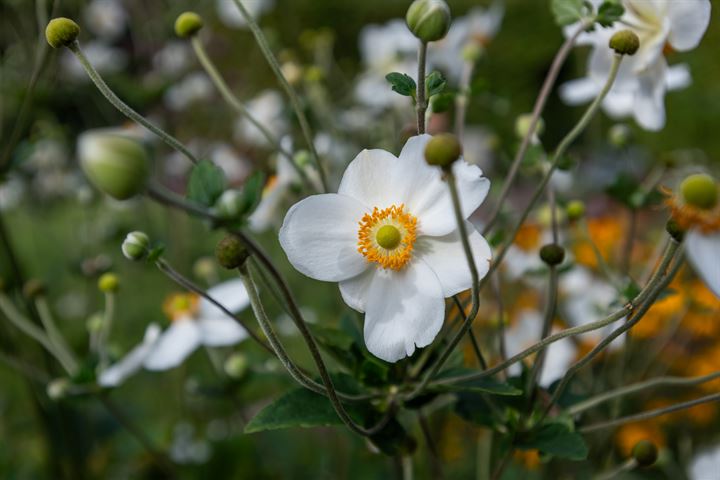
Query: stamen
point(387, 237)
point(179, 305)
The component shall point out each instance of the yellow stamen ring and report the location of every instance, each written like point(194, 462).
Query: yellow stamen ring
point(387, 236)
point(688, 216)
point(181, 305)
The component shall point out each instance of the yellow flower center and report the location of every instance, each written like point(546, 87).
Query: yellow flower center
point(180, 305)
point(387, 237)
point(688, 216)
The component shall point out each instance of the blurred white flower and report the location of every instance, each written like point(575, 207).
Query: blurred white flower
point(195, 87)
point(390, 239)
point(235, 166)
point(705, 465)
point(105, 59)
point(12, 189)
point(230, 15)
point(268, 109)
point(173, 58)
point(107, 19)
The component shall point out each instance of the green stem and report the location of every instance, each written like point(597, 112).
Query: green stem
point(52, 331)
point(124, 108)
point(550, 308)
point(104, 334)
point(421, 104)
point(627, 466)
point(463, 97)
point(294, 99)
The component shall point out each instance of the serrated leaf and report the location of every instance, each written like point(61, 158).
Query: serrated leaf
point(402, 84)
point(435, 83)
point(555, 439)
point(206, 183)
point(609, 13)
point(252, 192)
point(567, 12)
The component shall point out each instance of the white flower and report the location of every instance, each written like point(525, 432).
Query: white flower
point(269, 110)
point(705, 465)
point(230, 15)
point(173, 58)
point(195, 322)
point(274, 193)
point(105, 59)
point(195, 87)
point(390, 239)
point(644, 77)
point(106, 18)
point(703, 251)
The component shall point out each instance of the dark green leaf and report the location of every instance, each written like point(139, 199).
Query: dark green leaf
point(623, 189)
point(568, 11)
point(156, 252)
point(402, 84)
point(435, 83)
point(331, 336)
point(442, 102)
point(484, 385)
point(252, 192)
point(609, 12)
point(206, 183)
point(555, 439)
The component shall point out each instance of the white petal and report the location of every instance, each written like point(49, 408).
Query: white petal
point(404, 309)
point(579, 91)
point(446, 257)
point(678, 77)
point(704, 254)
point(705, 464)
point(230, 294)
point(132, 362)
point(319, 236)
point(375, 178)
point(650, 98)
point(220, 331)
point(558, 358)
point(174, 345)
point(354, 291)
point(689, 19)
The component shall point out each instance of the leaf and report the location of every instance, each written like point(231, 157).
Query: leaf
point(402, 84)
point(206, 183)
point(442, 102)
point(252, 192)
point(435, 83)
point(555, 439)
point(155, 253)
point(481, 385)
point(330, 336)
point(567, 12)
point(609, 12)
point(623, 189)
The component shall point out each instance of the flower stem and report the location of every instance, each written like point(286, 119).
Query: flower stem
point(627, 466)
point(550, 308)
point(421, 104)
point(294, 99)
point(52, 331)
point(462, 98)
point(104, 334)
point(124, 108)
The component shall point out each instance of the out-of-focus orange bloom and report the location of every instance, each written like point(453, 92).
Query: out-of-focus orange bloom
point(607, 233)
point(528, 238)
point(660, 315)
point(628, 435)
point(529, 459)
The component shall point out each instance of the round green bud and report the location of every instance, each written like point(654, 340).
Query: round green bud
point(108, 283)
point(552, 254)
point(61, 32)
point(302, 158)
point(672, 227)
point(645, 453)
point(230, 204)
point(230, 252)
point(188, 24)
point(472, 51)
point(443, 150)
point(95, 323)
point(34, 288)
point(575, 210)
point(58, 388)
point(236, 365)
point(428, 20)
point(700, 190)
point(619, 135)
point(136, 246)
point(522, 126)
point(625, 42)
point(115, 161)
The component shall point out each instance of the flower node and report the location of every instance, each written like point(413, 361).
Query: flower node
point(387, 237)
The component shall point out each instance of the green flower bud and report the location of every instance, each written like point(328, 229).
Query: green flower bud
point(428, 20)
point(136, 246)
point(95, 323)
point(230, 204)
point(58, 388)
point(552, 254)
point(236, 365)
point(230, 252)
point(302, 158)
point(619, 135)
point(522, 126)
point(625, 42)
point(700, 190)
point(188, 24)
point(34, 288)
point(575, 210)
point(108, 283)
point(61, 32)
point(114, 161)
point(443, 150)
point(645, 453)
point(673, 228)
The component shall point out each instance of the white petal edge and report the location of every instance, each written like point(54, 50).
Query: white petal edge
point(230, 294)
point(220, 331)
point(354, 291)
point(689, 19)
point(132, 362)
point(704, 254)
point(174, 345)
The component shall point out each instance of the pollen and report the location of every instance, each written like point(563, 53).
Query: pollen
point(179, 305)
point(387, 237)
point(689, 216)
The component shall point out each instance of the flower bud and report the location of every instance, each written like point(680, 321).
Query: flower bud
point(522, 126)
point(645, 453)
point(136, 246)
point(428, 20)
point(700, 190)
point(114, 161)
point(619, 135)
point(108, 283)
point(472, 52)
point(236, 365)
point(58, 388)
point(34, 288)
point(575, 210)
point(552, 254)
point(673, 228)
point(188, 24)
point(230, 252)
point(625, 42)
point(443, 150)
point(230, 204)
point(61, 32)
point(95, 323)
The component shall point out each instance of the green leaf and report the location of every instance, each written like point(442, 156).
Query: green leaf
point(435, 83)
point(206, 183)
point(155, 253)
point(609, 12)
point(252, 192)
point(331, 336)
point(567, 12)
point(482, 385)
point(555, 439)
point(402, 84)
point(442, 102)
point(623, 189)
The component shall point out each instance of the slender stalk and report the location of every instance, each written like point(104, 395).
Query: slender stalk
point(502, 351)
point(434, 457)
point(463, 97)
point(550, 309)
point(124, 108)
point(241, 109)
point(627, 466)
point(52, 331)
point(104, 333)
point(550, 79)
point(292, 95)
point(715, 397)
point(476, 349)
point(421, 104)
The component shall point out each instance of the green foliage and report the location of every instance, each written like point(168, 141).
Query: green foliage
point(206, 183)
point(567, 12)
point(442, 102)
point(609, 12)
point(252, 192)
point(435, 83)
point(628, 191)
point(556, 439)
point(484, 385)
point(402, 84)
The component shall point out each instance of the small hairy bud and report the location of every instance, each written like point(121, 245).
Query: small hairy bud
point(522, 126)
point(645, 453)
point(619, 135)
point(136, 245)
point(230, 252)
point(108, 283)
point(575, 210)
point(625, 42)
point(674, 230)
point(443, 150)
point(552, 254)
point(61, 32)
point(34, 288)
point(188, 24)
point(428, 20)
point(700, 190)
